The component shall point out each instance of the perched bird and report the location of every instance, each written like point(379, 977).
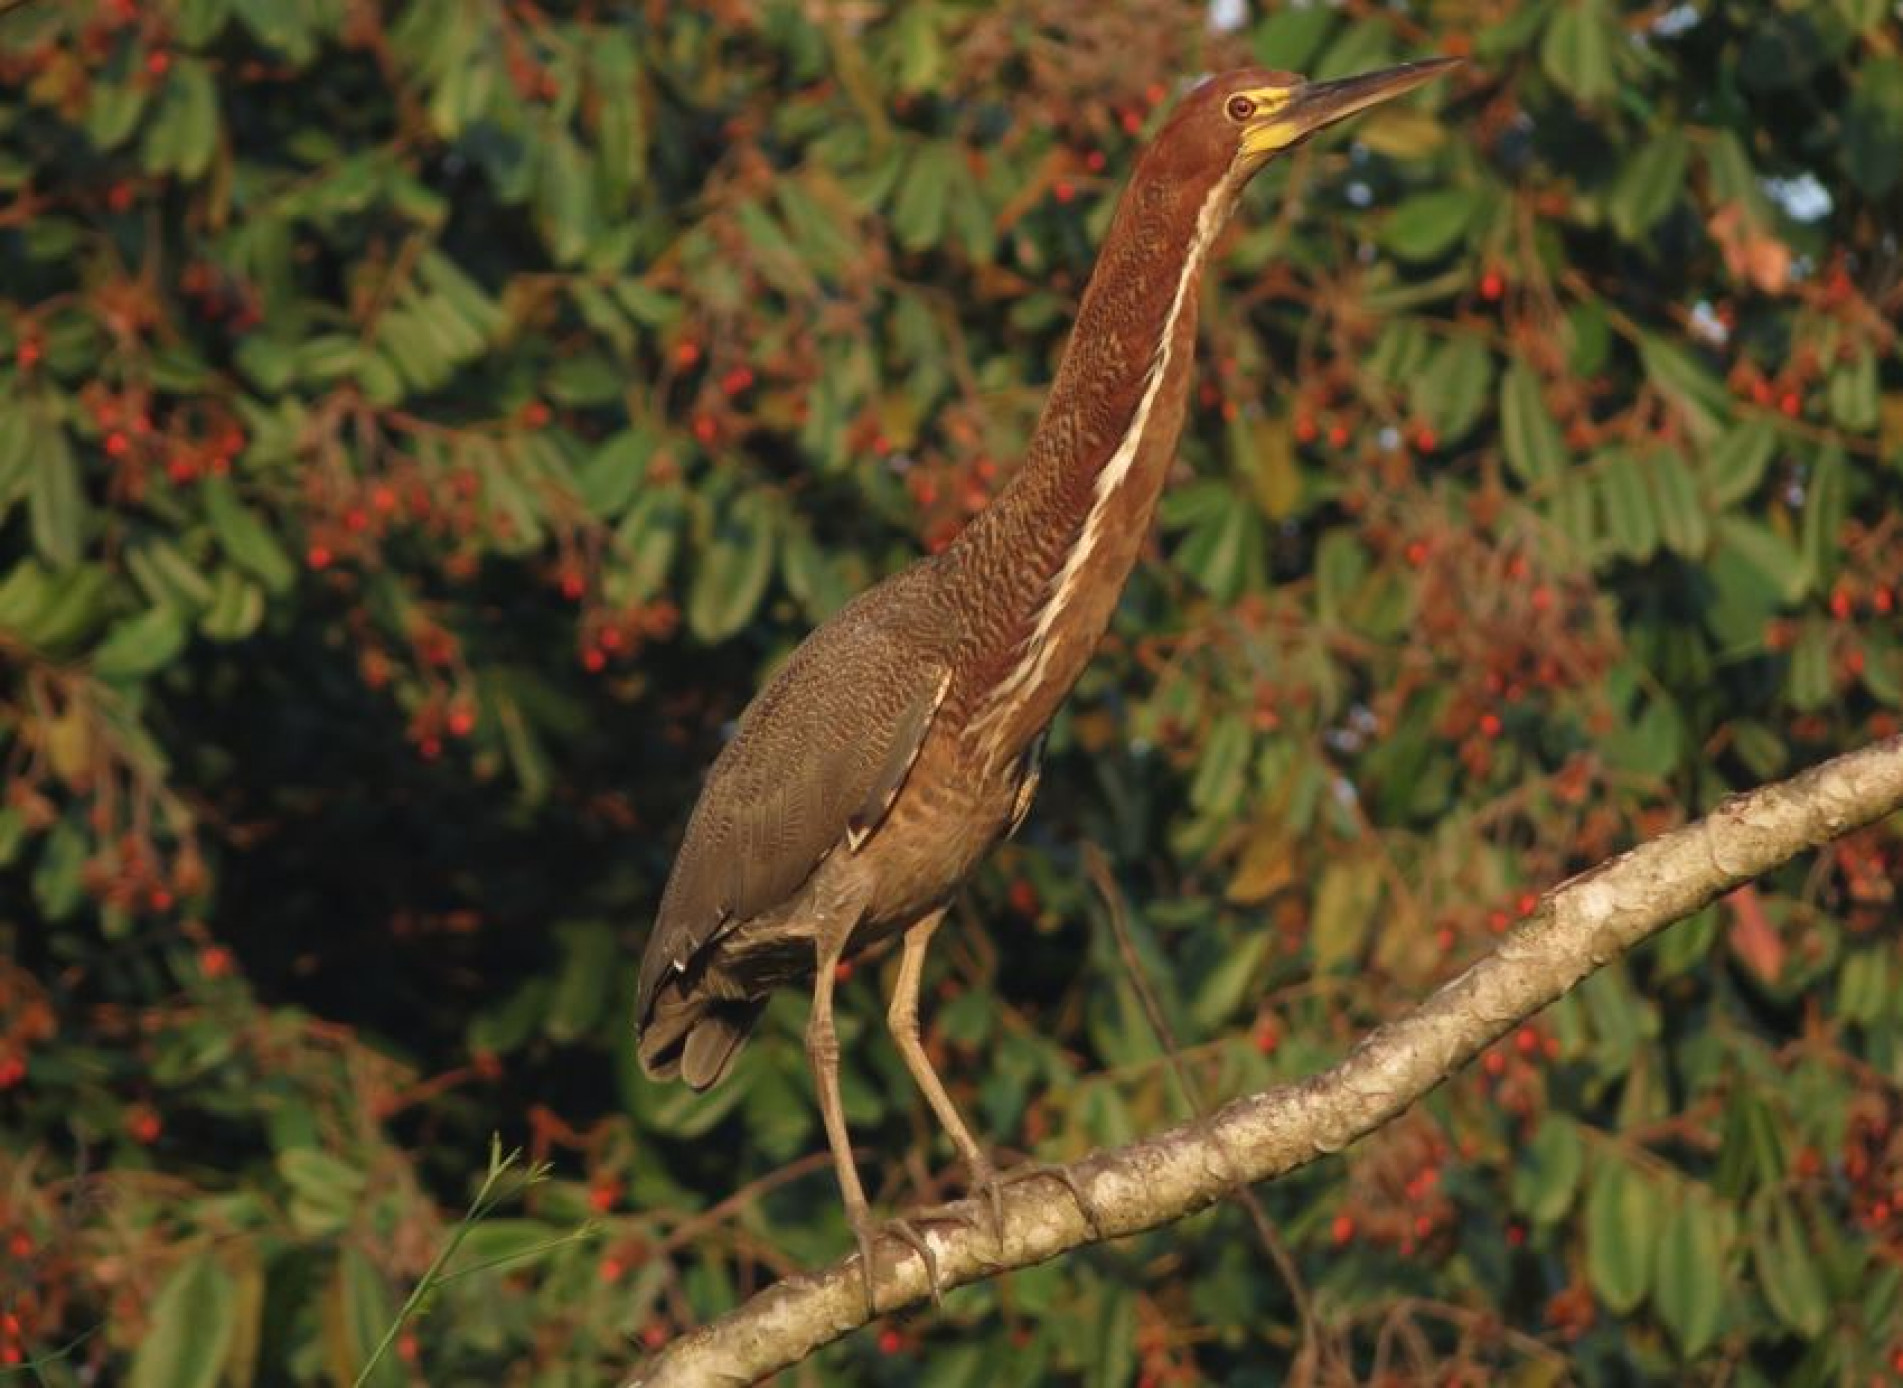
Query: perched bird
point(901, 740)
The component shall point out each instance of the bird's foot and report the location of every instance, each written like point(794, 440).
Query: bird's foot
point(991, 1183)
point(988, 1184)
point(868, 1232)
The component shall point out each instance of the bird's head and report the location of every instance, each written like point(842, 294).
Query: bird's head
point(1238, 121)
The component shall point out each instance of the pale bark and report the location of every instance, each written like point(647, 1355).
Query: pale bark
point(1576, 928)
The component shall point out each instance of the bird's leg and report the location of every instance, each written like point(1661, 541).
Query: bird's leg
point(902, 1018)
point(822, 1053)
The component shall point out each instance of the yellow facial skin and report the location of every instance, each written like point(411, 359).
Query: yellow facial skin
point(1273, 118)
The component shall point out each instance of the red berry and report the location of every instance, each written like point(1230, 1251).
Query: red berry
point(12, 1071)
point(27, 353)
point(118, 444)
point(430, 748)
point(604, 1196)
point(1528, 900)
point(1064, 191)
point(1417, 553)
point(611, 1268)
point(1425, 439)
point(158, 62)
point(319, 557)
point(593, 660)
point(1492, 285)
point(1342, 1230)
point(706, 429)
point(1490, 724)
point(461, 721)
point(535, 414)
point(1791, 404)
point(214, 961)
point(687, 354)
point(890, 1341)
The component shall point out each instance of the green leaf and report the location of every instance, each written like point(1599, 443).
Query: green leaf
point(1787, 1267)
point(1621, 1227)
point(1681, 515)
point(1223, 552)
point(1825, 506)
point(1689, 1283)
point(734, 567)
point(1577, 50)
point(245, 538)
point(1546, 1175)
point(1222, 771)
point(1427, 225)
point(54, 500)
point(1631, 517)
point(1697, 395)
point(1452, 393)
point(589, 955)
point(1534, 449)
point(364, 1309)
point(19, 441)
point(1345, 904)
point(1872, 148)
point(139, 646)
point(1225, 988)
point(918, 217)
point(649, 536)
point(1734, 465)
point(1853, 392)
point(1650, 183)
point(236, 608)
point(191, 1330)
point(608, 479)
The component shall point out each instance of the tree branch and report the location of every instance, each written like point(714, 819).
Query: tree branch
point(1577, 928)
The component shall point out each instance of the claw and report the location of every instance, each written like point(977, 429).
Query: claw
point(906, 1232)
point(992, 1184)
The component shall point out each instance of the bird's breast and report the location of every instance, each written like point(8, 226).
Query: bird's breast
point(947, 816)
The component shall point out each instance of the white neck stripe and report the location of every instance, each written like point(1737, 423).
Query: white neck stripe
point(1036, 652)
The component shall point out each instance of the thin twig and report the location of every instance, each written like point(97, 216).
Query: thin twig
point(1097, 869)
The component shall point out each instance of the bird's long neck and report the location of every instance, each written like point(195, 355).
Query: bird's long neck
point(1041, 568)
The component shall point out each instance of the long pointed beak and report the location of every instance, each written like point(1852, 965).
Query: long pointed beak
point(1319, 104)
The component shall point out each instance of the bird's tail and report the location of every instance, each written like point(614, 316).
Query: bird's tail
point(694, 1036)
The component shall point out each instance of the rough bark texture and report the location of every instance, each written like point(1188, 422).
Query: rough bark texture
point(1577, 928)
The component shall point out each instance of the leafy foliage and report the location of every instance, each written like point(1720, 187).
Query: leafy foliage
point(422, 424)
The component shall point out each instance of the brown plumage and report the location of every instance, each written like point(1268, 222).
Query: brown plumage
point(897, 744)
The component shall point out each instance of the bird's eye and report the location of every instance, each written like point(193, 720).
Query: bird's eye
point(1240, 108)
